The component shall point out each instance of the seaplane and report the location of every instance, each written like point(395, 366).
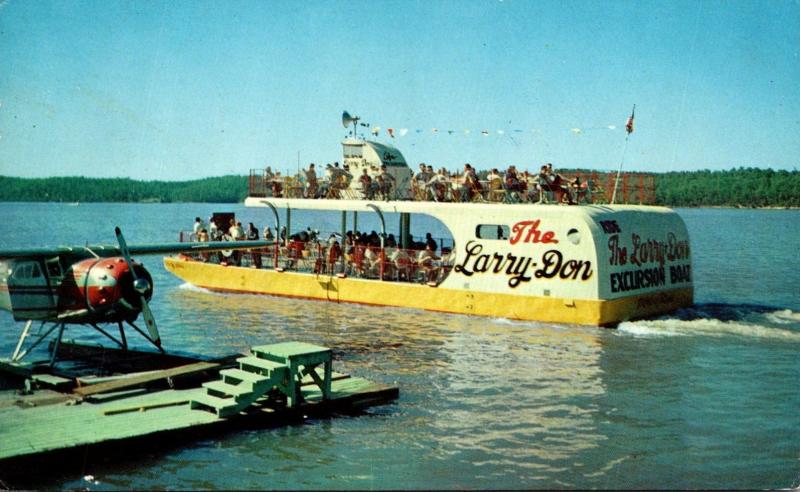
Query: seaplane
point(90, 285)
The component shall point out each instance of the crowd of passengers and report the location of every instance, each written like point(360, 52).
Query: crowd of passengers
point(442, 185)
point(357, 253)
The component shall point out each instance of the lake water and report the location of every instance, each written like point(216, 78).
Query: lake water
point(705, 398)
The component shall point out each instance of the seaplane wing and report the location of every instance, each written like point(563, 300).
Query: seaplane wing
point(109, 250)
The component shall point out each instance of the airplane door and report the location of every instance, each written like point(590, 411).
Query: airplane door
point(31, 295)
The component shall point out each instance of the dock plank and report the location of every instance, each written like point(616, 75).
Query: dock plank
point(145, 378)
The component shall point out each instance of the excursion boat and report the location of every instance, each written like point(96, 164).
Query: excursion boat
point(589, 264)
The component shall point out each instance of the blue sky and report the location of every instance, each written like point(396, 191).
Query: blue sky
point(180, 90)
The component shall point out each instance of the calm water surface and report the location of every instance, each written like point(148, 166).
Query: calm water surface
point(705, 398)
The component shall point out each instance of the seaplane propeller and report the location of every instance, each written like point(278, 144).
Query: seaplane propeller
point(141, 286)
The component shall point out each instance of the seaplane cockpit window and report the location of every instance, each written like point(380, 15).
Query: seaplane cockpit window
point(491, 231)
point(26, 270)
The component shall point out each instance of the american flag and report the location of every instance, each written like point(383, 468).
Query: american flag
point(629, 124)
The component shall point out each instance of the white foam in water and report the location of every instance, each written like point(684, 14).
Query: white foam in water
point(194, 288)
point(646, 329)
point(711, 327)
point(784, 317)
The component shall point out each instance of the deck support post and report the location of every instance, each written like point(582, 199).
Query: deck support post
point(382, 255)
point(277, 232)
point(344, 235)
point(405, 228)
point(288, 225)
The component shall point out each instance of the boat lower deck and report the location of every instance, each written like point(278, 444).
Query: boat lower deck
point(431, 297)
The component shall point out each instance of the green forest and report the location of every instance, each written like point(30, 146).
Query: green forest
point(741, 187)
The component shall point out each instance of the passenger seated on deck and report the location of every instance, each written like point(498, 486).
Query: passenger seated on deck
point(437, 185)
point(311, 182)
point(277, 186)
point(252, 235)
point(334, 253)
point(295, 251)
point(425, 260)
point(574, 191)
point(213, 231)
point(366, 184)
point(202, 236)
point(370, 261)
point(512, 182)
point(430, 242)
point(447, 261)
point(236, 233)
point(469, 183)
point(385, 183)
point(198, 224)
point(401, 263)
point(545, 184)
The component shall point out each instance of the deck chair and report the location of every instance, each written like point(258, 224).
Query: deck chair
point(477, 191)
point(496, 193)
point(337, 187)
point(420, 192)
point(311, 189)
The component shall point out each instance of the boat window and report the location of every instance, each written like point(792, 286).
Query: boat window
point(354, 151)
point(491, 231)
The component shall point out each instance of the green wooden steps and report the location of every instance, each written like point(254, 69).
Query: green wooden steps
point(240, 388)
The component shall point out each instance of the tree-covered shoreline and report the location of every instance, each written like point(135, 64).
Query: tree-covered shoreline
point(741, 187)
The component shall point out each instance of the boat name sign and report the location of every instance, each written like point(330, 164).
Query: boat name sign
point(519, 269)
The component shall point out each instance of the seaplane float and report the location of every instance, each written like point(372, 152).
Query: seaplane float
point(591, 264)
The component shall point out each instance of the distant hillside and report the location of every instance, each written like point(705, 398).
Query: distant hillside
point(742, 187)
point(223, 189)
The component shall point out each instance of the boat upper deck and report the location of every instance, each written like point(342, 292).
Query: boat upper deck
point(572, 188)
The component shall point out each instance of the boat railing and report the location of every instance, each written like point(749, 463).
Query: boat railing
point(360, 260)
point(577, 187)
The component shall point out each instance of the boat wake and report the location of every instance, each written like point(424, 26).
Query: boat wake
point(194, 288)
point(720, 320)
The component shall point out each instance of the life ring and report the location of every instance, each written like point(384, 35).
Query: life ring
point(226, 252)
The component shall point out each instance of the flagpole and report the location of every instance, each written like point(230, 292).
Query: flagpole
point(628, 130)
point(619, 170)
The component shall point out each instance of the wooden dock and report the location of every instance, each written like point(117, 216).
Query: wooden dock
point(274, 384)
